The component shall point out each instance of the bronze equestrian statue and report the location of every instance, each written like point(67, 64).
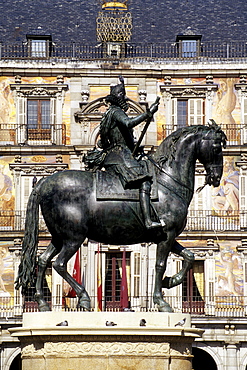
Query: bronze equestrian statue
point(117, 142)
point(73, 211)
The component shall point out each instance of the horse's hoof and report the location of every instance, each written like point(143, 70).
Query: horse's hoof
point(162, 305)
point(44, 307)
point(165, 307)
point(84, 303)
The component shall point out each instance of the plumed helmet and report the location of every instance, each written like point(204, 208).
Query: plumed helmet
point(119, 90)
point(118, 95)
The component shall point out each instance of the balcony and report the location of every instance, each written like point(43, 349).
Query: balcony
point(236, 134)
point(217, 306)
point(196, 221)
point(15, 221)
point(12, 134)
point(206, 51)
point(210, 220)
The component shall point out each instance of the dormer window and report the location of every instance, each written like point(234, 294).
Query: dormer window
point(189, 44)
point(39, 46)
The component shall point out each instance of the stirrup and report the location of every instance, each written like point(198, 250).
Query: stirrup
point(153, 225)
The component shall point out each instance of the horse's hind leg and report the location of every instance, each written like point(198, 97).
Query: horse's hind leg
point(60, 265)
point(43, 261)
point(163, 251)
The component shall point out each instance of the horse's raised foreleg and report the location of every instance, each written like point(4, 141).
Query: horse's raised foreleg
point(170, 282)
point(60, 265)
point(160, 267)
point(43, 261)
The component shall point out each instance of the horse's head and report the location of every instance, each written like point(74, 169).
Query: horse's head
point(210, 153)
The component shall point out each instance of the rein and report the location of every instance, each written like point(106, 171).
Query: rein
point(183, 194)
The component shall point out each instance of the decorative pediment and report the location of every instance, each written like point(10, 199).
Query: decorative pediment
point(38, 170)
point(95, 109)
point(187, 91)
point(42, 90)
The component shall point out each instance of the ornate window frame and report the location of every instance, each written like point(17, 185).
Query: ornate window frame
point(171, 92)
point(54, 92)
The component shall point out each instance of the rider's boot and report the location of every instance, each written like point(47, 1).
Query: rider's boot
point(145, 206)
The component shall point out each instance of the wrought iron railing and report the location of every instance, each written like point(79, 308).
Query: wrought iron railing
point(165, 51)
point(214, 306)
point(15, 221)
point(210, 220)
point(199, 220)
point(12, 134)
point(236, 133)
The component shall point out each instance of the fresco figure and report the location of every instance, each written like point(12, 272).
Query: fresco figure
point(226, 196)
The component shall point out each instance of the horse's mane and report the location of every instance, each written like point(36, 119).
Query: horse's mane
point(167, 149)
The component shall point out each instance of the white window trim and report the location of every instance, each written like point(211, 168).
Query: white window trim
point(171, 93)
point(55, 93)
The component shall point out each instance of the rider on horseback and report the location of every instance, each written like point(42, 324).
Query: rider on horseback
point(117, 142)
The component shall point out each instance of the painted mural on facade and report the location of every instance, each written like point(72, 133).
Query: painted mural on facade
point(228, 271)
point(7, 194)
point(226, 196)
point(8, 109)
point(6, 275)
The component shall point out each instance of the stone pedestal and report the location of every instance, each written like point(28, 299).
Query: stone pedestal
point(87, 343)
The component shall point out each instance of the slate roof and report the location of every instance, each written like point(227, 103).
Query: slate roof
point(153, 21)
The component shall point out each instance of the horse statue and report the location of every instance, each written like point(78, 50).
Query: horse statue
point(72, 212)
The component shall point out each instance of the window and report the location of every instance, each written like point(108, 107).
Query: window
point(113, 278)
point(39, 46)
point(38, 119)
point(182, 113)
point(193, 289)
point(189, 48)
point(187, 112)
point(189, 45)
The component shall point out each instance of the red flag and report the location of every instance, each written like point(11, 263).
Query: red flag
point(124, 302)
point(76, 274)
point(99, 281)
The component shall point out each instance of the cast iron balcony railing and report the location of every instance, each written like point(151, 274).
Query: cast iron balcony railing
point(15, 221)
point(206, 51)
point(236, 133)
point(210, 220)
point(12, 134)
point(199, 220)
point(214, 306)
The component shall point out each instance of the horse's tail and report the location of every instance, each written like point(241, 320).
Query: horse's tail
point(30, 241)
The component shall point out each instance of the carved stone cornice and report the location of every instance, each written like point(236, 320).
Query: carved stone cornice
point(188, 91)
point(38, 90)
point(37, 169)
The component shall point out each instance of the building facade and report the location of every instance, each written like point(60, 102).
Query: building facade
point(52, 100)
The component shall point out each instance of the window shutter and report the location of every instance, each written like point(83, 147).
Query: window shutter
point(174, 113)
point(242, 199)
point(21, 120)
point(244, 120)
point(245, 111)
point(200, 206)
point(136, 274)
point(195, 112)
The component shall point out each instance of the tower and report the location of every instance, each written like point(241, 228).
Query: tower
point(114, 27)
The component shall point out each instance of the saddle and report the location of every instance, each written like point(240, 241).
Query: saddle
point(109, 187)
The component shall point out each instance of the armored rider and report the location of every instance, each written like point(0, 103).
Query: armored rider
point(117, 142)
